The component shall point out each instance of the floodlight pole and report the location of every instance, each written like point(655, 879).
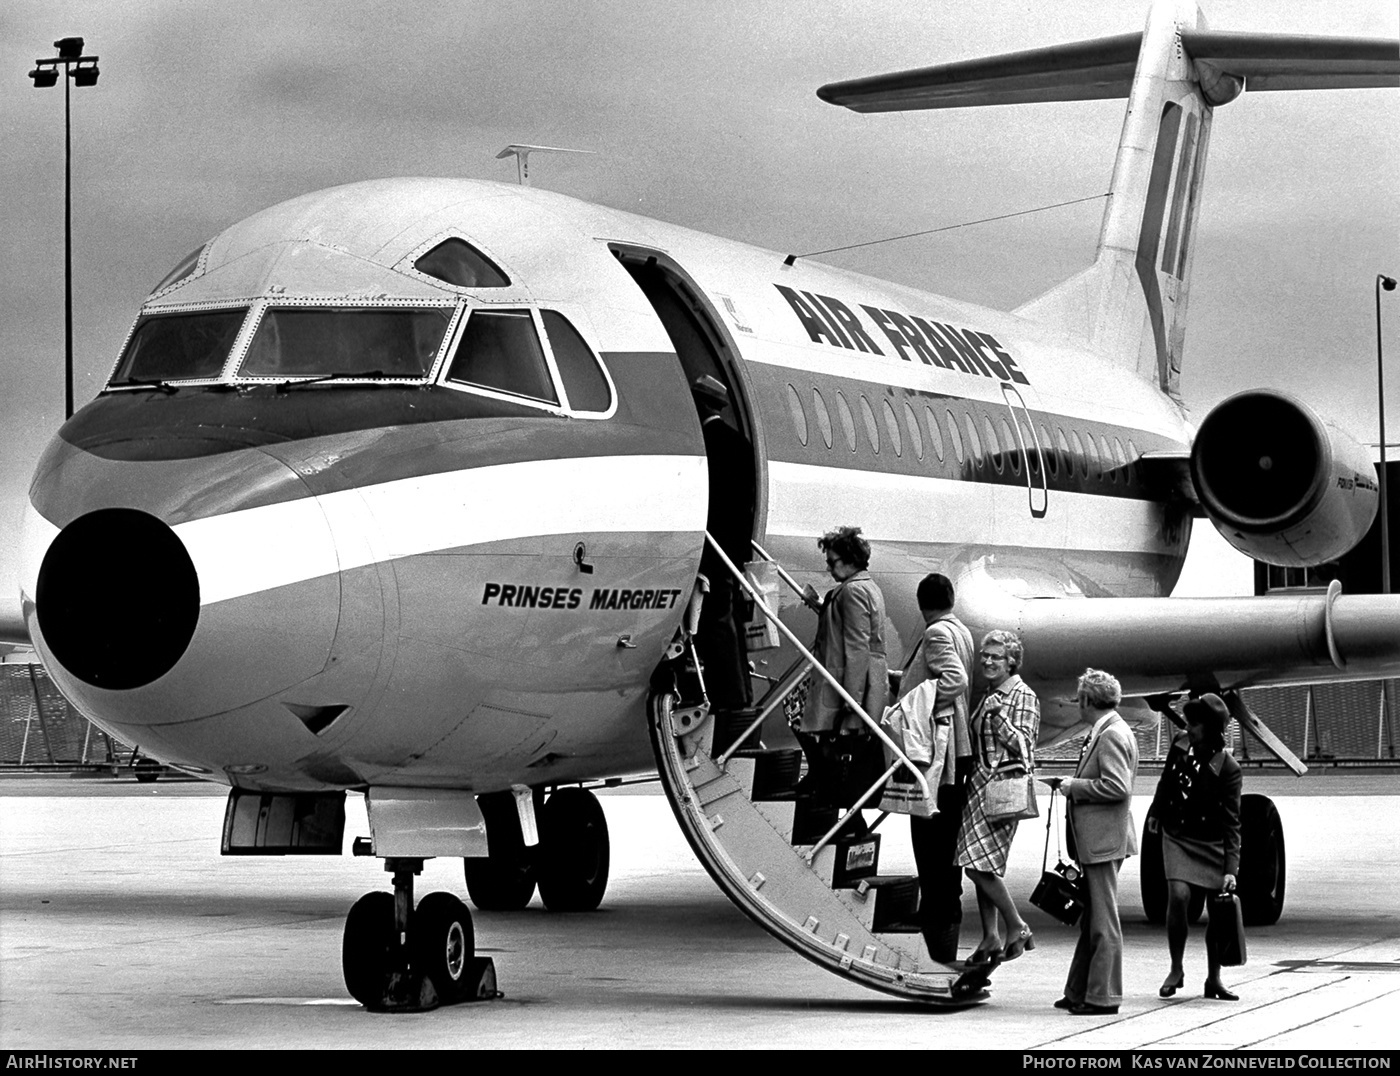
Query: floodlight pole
point(1388, 283)
point(83, 70)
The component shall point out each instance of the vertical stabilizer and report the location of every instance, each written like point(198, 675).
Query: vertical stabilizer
point(1131, 303)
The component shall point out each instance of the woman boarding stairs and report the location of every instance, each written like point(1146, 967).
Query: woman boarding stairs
point(806, 871)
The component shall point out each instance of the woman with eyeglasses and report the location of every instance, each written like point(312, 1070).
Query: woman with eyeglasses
point(1004, 725)
point(850, 644)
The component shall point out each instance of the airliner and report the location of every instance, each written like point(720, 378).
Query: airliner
point(400, 489)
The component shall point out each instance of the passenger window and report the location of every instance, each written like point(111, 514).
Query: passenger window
point(455, 261)
point(823, 416)
point(848, 422)
point(1108, 467)
point(934, 433)
point(799, 417)
point(345, 342)
point(954, 436)
point(499, 350)
point(1063, 446)
point(1013, 449)
point(872, 431)
point(1052, 461)
point(583, 378)
point(993, 445)
point(1080, 456)
point(179, 346)
point(1032, 456)
point(974, 443)
point(911, 422)
point(1094, 470)
point(892, 427)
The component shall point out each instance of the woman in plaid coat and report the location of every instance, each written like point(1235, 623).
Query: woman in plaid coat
point(1005, 723)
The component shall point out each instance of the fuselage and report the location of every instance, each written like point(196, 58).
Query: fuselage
point(459, 564)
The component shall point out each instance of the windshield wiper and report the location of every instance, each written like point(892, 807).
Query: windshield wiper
point(148, 383)
point(354, 375)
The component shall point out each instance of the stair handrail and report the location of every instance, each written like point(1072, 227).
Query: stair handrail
point(789, 580)
point(774, 699)
point(901, 759)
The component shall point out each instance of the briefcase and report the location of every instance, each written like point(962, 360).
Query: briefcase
point(1060, 893)
point(1225, 931)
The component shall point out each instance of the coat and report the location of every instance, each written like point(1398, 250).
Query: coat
point(1211, 812)
point(945, 653)
point(1099, 795)
point(851, 645)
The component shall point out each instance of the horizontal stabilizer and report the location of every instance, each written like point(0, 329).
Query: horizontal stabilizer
point(1103, 68)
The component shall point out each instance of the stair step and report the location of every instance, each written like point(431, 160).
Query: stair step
point(811, 821)
point(729, 724)
point(776, 774)
point(896, 899)
point(847, 861)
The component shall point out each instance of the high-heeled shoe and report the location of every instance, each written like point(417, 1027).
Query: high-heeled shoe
point(1172, 984)
point(1219, 993)
point(1019, 944)
point(982, 956)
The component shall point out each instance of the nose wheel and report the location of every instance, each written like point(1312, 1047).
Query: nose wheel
point(396, 958)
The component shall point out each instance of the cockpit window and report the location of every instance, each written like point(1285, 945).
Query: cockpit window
point(297, 342)
point(183, 268)
point(579, 370)
point(172, 347)
point(499, 350)
point(458, 262)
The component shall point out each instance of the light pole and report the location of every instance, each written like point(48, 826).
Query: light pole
point(82, 70)
point(1388, 283)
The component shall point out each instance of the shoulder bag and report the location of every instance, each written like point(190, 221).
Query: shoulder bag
point(1010, 793)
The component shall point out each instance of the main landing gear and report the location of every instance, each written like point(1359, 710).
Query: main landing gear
point(397, 958)
point(569, 864)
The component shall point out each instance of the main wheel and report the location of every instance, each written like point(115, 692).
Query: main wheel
point(1152, 877)
point(574, 851)
point(504, 881)
point(1263, 862)
point(367, 948)
point(444, 943)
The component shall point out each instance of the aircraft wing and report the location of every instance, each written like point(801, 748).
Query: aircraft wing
point(1163, 645)
point(1103, 68)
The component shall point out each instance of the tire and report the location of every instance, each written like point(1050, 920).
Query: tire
point(1153, 877)
point(147, 770)
point(444, 944)
point(367, 948)
point(1263, 862)
point(504, 881)
point(574, 851)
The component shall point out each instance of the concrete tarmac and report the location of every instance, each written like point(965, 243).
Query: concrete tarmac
point(122, 928)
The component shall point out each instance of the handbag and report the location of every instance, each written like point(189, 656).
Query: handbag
point(1009, 794)
point(1060, 891)
point(1225, 931)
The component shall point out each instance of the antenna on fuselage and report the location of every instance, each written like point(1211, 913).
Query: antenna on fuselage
point(522, 157)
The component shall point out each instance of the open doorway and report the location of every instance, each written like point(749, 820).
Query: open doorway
point(726, 422)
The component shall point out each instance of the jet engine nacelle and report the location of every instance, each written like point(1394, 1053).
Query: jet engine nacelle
point(1280, 483)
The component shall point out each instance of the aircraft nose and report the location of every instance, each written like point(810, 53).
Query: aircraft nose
point(117, 598)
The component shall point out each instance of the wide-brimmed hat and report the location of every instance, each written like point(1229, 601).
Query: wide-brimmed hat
point(1209, 710)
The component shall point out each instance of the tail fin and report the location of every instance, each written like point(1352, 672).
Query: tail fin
point(1131, 303)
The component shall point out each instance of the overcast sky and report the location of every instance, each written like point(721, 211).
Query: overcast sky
point(700, 113)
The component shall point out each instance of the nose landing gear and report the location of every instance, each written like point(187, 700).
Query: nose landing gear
point(398, 959)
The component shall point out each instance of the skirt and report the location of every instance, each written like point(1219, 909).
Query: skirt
point(1199, 863)
point(982, 844)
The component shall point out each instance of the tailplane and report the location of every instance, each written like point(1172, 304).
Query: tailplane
point(1130, 305)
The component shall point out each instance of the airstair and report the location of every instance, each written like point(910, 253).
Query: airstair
point(808, 873)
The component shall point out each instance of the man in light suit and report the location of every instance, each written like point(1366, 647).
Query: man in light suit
point(1101, 835)
point(945, 655)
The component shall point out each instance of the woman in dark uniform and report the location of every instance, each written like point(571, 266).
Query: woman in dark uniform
point(1197, 811)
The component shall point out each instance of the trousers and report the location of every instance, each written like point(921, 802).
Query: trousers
point(940, 879)
point(1096, 970)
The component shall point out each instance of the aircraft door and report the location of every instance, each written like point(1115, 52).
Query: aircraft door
point(1028, 442)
